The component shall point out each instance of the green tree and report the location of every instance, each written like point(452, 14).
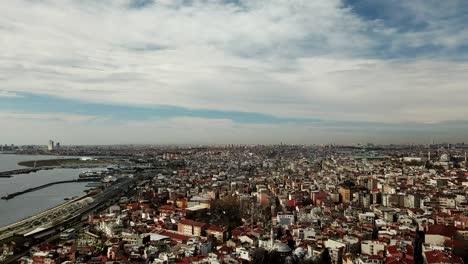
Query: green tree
point(325, 257)
point(259, 256)
point(228, 212)
point(274, 257)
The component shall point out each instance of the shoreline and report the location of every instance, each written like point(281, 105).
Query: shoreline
point(64, 163)
point(45, 211)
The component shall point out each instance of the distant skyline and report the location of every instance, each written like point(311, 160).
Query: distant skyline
point(233, 71)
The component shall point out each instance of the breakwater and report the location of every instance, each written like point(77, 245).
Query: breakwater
point(13, 195)
point(11, 173)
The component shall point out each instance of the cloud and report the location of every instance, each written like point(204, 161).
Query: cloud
point(4, 93)
point(48, 117)
point(189, 130)
point(428, 26)
point(321, 59)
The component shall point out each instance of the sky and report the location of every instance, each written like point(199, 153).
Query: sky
point(233, 71)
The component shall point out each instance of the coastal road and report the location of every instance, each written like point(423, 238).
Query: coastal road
point(65, 212)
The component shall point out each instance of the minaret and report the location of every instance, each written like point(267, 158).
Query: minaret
point(273, 209)
point(252, 215)
point(271, 236)
point(429, 155)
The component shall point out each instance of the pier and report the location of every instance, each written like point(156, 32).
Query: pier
point(13, 195)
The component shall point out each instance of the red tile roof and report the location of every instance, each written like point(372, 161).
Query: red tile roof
point(190, 259)
point(192, 223)
point(216, 229)
point(436, 256)
point(393, 249)
point(167, 207)
point(447, 231)
point(175, 236)
point(398, 260)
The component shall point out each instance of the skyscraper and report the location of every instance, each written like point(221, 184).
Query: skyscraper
point(50, 147)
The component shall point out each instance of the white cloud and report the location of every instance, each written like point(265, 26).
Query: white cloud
point(68, 119)
point(4, 93)
point(293, 58)
point(187, 130)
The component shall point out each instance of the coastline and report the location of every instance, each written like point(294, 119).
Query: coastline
point(64, 163)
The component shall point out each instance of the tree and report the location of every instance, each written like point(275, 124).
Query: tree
point(325, 257)
point(279, 232)
point(375, 232)
point(291, 243)
point(417, 245)
point(228, 211)
point(259, 256)
point(214, 241)
point(267, 213)
point(306, 261)
point(274, 257)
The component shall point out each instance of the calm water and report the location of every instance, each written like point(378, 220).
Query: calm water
point(34, 202)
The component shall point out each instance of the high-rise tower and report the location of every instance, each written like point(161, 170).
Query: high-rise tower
point(50, 146)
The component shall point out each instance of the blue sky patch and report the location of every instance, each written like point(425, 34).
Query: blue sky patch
point(123, 113)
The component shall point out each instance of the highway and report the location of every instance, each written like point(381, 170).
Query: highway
point(66, 212)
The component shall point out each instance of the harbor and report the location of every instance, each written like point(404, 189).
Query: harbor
point(37, 201)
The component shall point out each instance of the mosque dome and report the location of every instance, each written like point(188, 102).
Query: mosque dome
point(299, 252)
point(282, 248)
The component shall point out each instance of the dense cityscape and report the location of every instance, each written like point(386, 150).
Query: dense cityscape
point(255, 204)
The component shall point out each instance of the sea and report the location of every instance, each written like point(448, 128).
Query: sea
point(38, 201)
